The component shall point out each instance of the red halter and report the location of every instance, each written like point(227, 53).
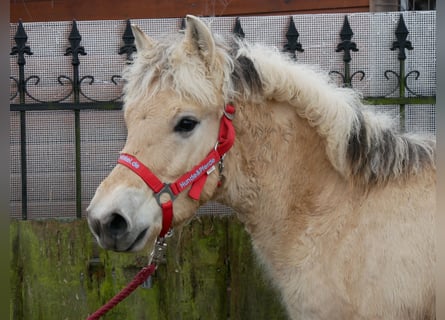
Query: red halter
point(195, 178)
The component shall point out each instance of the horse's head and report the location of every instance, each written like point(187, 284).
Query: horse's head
point(173, 104)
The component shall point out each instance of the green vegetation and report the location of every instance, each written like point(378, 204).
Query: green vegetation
point(58, 272)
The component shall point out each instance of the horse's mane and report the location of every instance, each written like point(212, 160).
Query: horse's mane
point(360, 143)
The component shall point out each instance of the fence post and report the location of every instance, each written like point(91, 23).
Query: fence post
point(402, 44)
point(346, 45)
point(20, 50)
point(75, 49)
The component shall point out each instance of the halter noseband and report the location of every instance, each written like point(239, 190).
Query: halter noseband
point(195, 178)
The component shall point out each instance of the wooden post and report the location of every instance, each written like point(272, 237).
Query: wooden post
point(383, 5)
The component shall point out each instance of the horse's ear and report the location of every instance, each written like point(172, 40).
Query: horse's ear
point(142, 41)
point(198, 37)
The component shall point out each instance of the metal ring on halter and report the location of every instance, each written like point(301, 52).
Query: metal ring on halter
point(221, 164)
point(165, 190)
point(229, 116)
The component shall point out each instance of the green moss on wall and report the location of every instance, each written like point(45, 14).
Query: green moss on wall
point(58, 272)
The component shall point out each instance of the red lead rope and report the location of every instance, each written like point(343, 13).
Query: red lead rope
point(195, 178)
point(136, 282)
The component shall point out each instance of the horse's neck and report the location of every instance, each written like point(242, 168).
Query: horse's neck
point(276, 172)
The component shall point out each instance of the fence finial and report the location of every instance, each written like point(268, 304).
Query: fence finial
point(75, 49)
point(21, 48)
point(182, 26)
point(129, 47)
point(292, 36)
point(346, 44)
point(238, 30)
point(401, 43)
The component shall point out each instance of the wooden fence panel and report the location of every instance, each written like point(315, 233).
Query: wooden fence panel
point(50, 10)
point(259, 300)
point(58, 272)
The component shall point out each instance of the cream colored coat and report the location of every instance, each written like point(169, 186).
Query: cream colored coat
point(340, 207)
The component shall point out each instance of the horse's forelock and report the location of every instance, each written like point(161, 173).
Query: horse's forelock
point(233, 75)
point(167, 65)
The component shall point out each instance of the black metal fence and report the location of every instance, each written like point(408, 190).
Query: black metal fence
point(77, 98)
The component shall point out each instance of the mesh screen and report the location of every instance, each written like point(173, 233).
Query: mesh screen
point(50, 135)
point(421, 119)
point(48, 42)
point(103, 135)
point(50, 161)
point(15, 184)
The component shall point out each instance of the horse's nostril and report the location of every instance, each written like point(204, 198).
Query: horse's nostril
point(95, 227)
point(117, 226)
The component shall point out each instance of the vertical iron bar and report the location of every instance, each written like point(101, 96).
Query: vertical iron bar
point(77, 141)
point(23, 158)
point(20, 49)
point(75, 49)
point(23, 168)
point(402, 44)
point(347, 82)
point(402, 95)
point(346, 45)
point(78, 164)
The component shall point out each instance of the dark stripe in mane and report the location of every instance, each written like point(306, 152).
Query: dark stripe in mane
point(245, 77)
point(386, 154)
point(375, 152)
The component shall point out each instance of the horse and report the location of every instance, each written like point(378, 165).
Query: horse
point(339, 205)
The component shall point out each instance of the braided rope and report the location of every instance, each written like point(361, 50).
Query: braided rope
point(125, 292)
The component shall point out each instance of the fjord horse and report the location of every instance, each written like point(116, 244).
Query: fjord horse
point(338, 204)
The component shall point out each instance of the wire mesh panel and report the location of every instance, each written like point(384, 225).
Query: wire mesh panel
point(47, 62)
point(14, 167)
point(50, 174)
point(375, 71)
point(421, 119)
point(103, 136)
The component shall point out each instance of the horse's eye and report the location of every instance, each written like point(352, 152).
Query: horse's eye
point(186, 125)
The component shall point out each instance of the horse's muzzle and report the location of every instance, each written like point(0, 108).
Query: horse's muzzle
point(115, 234)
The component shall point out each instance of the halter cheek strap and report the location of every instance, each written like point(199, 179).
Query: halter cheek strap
point(165, 193)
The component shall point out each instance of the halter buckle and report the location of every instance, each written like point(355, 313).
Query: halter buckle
point(229, 111)
point(228, 115)
point(165, 190)
point(221, 164)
